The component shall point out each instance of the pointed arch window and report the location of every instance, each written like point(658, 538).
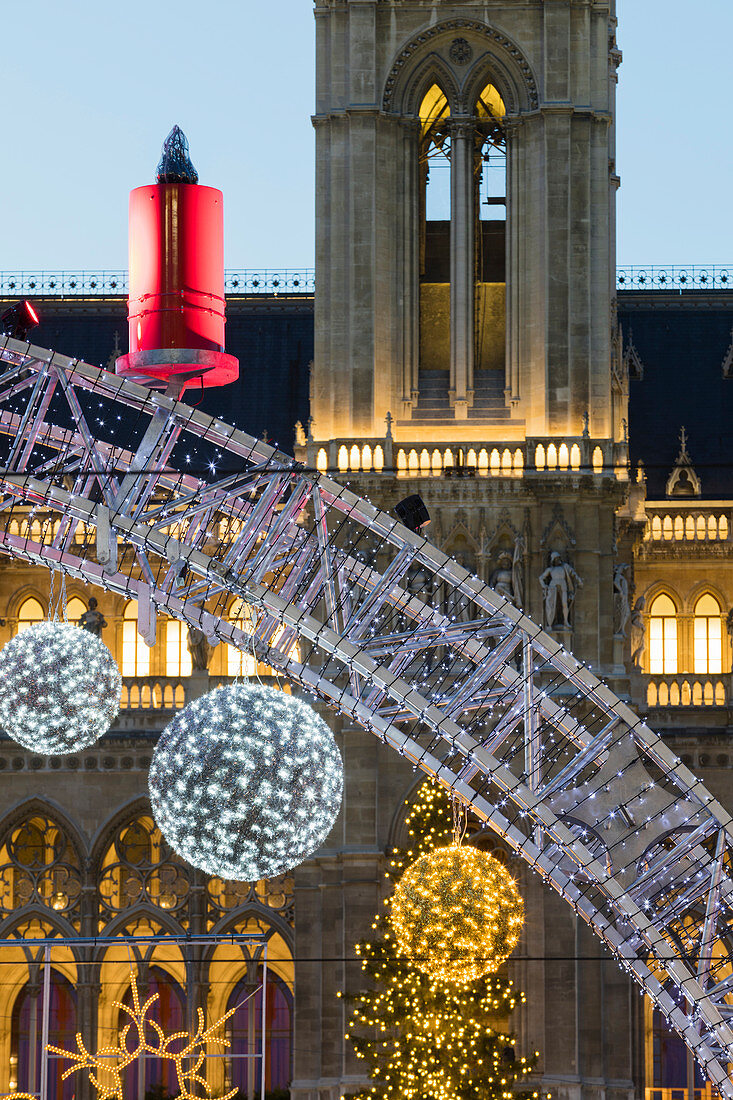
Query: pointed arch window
point(39, 866)
point(25, 1039)
point(75, 608)
point(662, 636)
point(707, 636)
point(30, 612)
point(138, 867)
point(244, 1031)
point(135, 653)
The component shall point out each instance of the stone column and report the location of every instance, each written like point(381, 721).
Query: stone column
point(461, 267)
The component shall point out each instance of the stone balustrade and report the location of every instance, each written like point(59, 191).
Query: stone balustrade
point(493, 459)
point(688, 521)
point(687, 690)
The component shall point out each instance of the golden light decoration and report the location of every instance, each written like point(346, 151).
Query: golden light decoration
point(457, 914)
point(187, 1052)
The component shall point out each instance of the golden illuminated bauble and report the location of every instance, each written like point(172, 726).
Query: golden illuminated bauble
point(457, 914)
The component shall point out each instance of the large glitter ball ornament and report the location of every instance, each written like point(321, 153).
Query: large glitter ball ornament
point(457, 914)
point(246, 782)
point(59, 688)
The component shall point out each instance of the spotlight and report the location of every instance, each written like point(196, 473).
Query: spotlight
point(18, 320)
point(412, 512)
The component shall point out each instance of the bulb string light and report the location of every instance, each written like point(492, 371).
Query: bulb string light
point(423, 1036)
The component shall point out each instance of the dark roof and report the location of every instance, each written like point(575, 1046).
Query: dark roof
point(681, 341)
point(271, 337)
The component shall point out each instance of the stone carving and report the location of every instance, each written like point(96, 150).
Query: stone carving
point(638, 634)
point(502, 580)
point(199, 649)
point(559, 583)
point(93, 620)
point(621, 606)
point(460, 51)
point(426, 37)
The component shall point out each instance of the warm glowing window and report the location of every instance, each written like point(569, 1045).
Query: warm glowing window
point(75, 608)
point(135, 653)
point(708, 636)
point(30, 612)
point(241, 662)
point(662, 636)
point(177, 656)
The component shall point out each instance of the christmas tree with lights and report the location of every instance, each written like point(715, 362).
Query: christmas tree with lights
point(431, 1039)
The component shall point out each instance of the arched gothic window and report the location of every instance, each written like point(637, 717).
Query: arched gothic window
point(244, 1031)
point(39, 866)
point(25, 1040)
point(662, 636)
point(75, 608)
point(138, 867)
point(135, 653)
point(708, 636)
point(30, 612)
point(148, 1074)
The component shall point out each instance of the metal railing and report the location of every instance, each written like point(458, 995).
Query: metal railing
point(707, 277)
point(78, 283)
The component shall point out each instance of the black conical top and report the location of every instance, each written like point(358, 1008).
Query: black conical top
point(175, 163)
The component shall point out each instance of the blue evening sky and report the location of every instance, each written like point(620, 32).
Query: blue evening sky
point(89, 89)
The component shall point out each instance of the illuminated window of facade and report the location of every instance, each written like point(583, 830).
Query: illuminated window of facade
point(137, 868)
point(75, 608)
point(240, 662)
point(135, 653)
point(39, 866)
point(25, 1041)
point(159, 1074)
point(662, 636)
point(177, 656)
point(30, 612)
point(244, 1031)
point(708, 636)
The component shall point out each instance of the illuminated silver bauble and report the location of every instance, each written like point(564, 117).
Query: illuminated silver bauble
point(59, 688)
point(246, 782)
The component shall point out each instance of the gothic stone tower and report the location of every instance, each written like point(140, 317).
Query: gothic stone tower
point(467, 350)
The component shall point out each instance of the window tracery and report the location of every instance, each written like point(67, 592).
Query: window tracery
point(138, 867)
point(39, 866)
point(274, 893)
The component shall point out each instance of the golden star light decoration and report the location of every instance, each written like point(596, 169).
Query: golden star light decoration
point(456, 914)
point(187, 1052)
point(59, 688)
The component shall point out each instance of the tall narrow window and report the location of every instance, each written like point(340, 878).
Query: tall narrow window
point(662, 636)
point(240, 662)
point(135, 653)
point(30, 612)
point(177, 656)
point(708, 636)
point(75, 608)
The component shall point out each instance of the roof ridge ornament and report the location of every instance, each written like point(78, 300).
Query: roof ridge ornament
point(683, 481)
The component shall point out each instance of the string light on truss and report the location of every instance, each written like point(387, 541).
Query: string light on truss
point(457, 914)
point(246, 782)
point(59, 688)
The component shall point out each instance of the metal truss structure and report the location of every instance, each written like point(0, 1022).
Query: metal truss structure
point(388, 630)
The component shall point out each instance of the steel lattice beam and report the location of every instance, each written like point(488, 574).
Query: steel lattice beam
point(388, 630)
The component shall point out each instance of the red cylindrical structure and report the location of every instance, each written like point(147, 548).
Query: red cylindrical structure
point(176, 304)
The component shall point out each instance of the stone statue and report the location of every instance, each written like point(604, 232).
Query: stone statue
point(93, 620)
point(502, 579)
point(199, 649)
point(559, 583)
point(729, 624)
point(638, 634)
point(520, 549)
point(621, 607)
